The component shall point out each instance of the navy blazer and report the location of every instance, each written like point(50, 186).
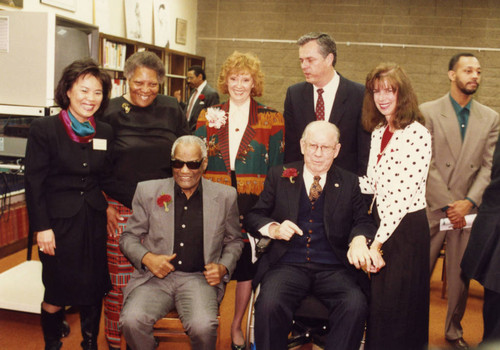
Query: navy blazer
point(346, 115)
point(345, 213)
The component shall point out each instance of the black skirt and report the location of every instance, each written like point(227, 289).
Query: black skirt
point(78, 272)
point(399, 305)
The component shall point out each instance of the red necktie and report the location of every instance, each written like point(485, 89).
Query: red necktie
point(320, 106)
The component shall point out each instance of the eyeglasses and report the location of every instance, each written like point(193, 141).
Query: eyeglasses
point(179, 164)
point(324, 149)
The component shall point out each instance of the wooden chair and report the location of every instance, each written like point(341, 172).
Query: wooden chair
point(170, 329)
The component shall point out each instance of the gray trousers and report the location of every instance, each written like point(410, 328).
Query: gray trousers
point(189, 293)
point(458, 285)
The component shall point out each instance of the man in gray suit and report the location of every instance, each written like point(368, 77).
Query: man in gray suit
point(201, 96)
point(464, 133)
point(184, 240)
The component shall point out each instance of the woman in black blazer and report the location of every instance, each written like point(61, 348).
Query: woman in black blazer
point(67, 168)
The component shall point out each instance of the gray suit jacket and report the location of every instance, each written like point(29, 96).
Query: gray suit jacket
point(211, 98)
point(457, 169)
point(151, 229)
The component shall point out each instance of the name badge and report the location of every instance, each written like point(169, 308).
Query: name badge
point(99, 144)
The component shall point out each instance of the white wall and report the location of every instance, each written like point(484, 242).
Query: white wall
point(83, 11)
point(185, 9)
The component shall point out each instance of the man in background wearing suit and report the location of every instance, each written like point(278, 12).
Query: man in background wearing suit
point(202, 95)
point(184, 240)
point(464, 133)
point(326, 95)
point(319, 227)
point(482, 257)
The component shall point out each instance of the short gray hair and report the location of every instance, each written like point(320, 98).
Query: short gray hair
point(190, 140)
point(320, 125)
point(146, 59)
point(326, 44)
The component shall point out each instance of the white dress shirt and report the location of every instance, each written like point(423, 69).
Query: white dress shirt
point(330, 90)
point(237, 123)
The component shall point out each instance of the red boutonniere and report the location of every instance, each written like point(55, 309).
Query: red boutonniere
point(163, 201)
point(290, 173)
point(201, 97)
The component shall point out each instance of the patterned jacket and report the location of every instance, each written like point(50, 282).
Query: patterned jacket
point(261, 148)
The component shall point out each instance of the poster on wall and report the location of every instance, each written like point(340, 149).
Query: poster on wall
point(69, 5)
point(180, 31)
point(12, 3)
point(161, 12)
point(138, 20)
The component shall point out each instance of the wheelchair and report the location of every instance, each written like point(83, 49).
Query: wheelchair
point(310, 324)
point(310, 320)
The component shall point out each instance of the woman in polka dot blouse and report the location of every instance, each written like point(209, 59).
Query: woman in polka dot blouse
point(396, 176)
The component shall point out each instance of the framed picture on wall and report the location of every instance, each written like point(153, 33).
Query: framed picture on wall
point(69, 5)
point(138, 24)
point(180, 31)
point(160, 14)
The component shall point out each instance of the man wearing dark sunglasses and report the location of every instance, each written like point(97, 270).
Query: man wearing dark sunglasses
point(184, 240)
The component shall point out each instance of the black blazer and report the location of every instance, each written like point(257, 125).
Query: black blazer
point(346, 115)
point(61, 175)
point(211, 99)
point(345, 213)
point(481, 260)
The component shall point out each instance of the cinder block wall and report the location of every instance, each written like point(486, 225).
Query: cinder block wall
point(364, 31)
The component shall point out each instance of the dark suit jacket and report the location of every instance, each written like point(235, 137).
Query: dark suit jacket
point(61, 175)
point(211, 99)
point(346, 115)
point(345, 213)
point(481, 259)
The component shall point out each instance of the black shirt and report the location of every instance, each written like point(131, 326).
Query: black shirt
point(188, 241)
point(144, 137)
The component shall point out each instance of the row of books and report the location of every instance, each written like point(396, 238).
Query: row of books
point(114, 55)
point(118, 87)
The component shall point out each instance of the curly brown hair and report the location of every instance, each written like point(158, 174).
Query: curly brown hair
point(242, 63)
point(406, 106)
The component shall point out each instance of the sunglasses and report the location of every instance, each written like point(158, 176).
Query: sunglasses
point(179, 164)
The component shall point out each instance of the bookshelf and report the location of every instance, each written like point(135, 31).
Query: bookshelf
point(114, 51)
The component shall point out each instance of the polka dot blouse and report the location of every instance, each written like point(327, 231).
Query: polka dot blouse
point(398, 180)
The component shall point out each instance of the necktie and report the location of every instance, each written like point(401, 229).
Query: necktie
point(191, 103)
point(316, 189)
point(320, 106)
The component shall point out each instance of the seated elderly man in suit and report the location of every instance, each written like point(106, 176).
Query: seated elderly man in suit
point(184, 240)
point(318, 222)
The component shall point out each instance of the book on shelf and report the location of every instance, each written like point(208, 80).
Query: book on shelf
point(118, 87)
point(114, 55)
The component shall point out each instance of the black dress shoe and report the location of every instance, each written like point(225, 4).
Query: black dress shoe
point(459, 343)
point(238, 347)
point(65, 329)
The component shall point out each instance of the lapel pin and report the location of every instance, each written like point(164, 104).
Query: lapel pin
point(337, 185)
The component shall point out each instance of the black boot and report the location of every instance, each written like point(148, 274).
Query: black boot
point(51, 326)
point(90, 317)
